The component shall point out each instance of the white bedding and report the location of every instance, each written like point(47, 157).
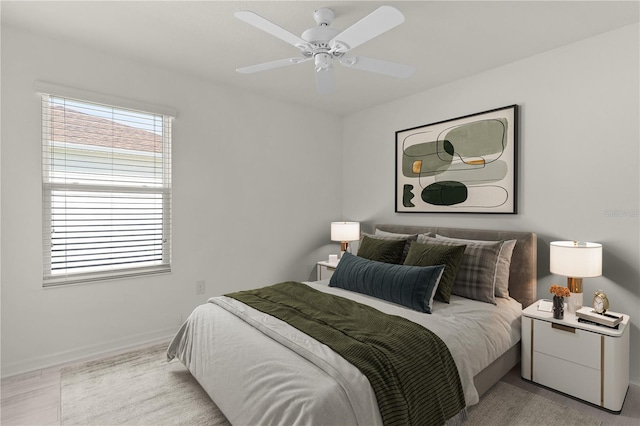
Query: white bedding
point(255, 380)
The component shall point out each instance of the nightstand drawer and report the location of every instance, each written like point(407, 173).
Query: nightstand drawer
point(567, 343)
point(565, 376)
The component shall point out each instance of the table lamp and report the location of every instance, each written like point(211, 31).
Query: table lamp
point(575, 260)
point(345, 232)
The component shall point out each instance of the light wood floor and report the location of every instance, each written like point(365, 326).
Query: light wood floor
point(34, 398)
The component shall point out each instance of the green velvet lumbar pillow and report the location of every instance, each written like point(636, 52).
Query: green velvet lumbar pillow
point(410, 286)
point(432, 254)
point(387, 251)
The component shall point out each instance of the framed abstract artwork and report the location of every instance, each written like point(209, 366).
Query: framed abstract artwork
point(463, 165)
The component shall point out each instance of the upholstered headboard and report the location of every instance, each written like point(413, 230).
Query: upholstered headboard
point(522, 276)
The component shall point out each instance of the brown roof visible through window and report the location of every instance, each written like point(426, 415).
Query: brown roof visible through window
point(72, 126)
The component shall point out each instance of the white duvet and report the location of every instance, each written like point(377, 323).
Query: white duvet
point(260, 370)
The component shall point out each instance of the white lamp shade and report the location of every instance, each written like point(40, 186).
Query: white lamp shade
point(345, 231)
point(575, 259)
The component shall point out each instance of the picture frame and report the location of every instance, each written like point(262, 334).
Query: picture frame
point(466, 164)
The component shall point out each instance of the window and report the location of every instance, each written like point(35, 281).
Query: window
point(106, 191)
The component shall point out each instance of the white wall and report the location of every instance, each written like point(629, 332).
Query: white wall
point(253, 194)
point(253, 198)
point(578, 157)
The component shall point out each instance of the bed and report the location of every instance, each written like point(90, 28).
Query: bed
point(260, 370)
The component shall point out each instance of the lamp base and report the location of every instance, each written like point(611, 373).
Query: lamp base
point(574, 284)
point(574, 302)
point(575, 288)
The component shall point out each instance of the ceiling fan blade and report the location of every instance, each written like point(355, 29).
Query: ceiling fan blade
point(325, 81)
point(378, 66)
point(270, 65)
point(377, 22)
point(269, 27)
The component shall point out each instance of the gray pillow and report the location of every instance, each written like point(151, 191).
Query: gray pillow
point(477, 274)
point(410, 286)
point(436, 254)
point(394, 235)
point(504, 262)
point(388, 251)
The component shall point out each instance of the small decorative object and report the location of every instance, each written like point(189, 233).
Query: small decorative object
point(558, 307)
point(559, 293)
point(333, 258)
point(600, 302)
point(575, 260)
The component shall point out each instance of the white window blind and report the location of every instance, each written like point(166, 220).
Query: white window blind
point(106, 191)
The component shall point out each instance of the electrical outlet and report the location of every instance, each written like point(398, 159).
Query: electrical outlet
point(200, 287)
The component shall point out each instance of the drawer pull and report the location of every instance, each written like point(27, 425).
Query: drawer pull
point(563, 327)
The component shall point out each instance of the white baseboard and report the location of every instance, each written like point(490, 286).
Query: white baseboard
point(87, 352)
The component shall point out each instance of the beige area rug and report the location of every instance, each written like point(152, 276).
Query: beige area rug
point(142, 388)
point(135, 388)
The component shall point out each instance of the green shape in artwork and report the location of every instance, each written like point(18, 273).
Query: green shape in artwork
point(427, 159)
point(479, 138)
point(407, 196)
point(446, 193)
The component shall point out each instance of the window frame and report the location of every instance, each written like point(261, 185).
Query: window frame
point(48, 187)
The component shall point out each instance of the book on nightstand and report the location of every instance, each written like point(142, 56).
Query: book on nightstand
point(609, 319)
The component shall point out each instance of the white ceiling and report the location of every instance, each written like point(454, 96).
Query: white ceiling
point(444, 40)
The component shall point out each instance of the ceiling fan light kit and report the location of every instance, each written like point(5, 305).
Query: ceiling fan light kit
point(324, 44)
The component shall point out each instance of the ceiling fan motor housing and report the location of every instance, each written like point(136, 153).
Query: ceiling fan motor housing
point(318, 39)
point(318, 35)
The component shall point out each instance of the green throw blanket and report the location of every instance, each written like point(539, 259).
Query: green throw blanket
point(411, 370)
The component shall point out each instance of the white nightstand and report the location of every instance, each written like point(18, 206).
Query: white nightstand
point(586, 361)
point(325, 269)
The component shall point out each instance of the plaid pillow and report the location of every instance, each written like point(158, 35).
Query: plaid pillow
point(477, 274)
point(504, 262)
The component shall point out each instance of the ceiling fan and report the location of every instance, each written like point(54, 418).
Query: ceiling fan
point(324, 45)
